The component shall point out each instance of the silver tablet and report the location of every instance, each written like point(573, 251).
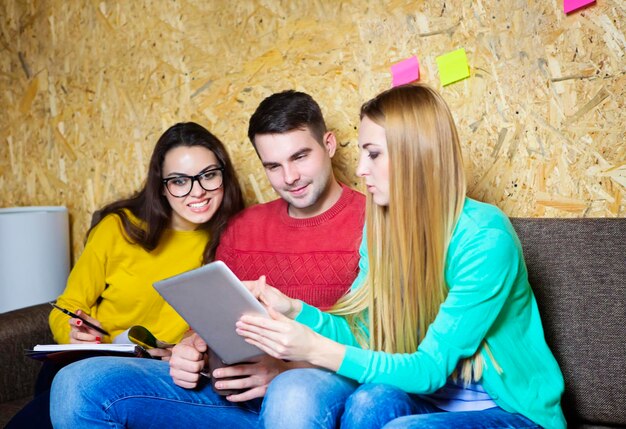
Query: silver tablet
point(211, 299)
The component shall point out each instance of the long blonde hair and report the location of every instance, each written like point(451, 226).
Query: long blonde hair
point(407, 241)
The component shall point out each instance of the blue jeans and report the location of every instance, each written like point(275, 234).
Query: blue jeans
point(109, 392)
point(307, 399)
point(384, 406)
point(319, 399)
point(113, 392)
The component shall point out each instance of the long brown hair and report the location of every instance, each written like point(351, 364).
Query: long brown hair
point(407, 240)
point(150, 206)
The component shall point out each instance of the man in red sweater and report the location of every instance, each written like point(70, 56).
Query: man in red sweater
point(305, 243)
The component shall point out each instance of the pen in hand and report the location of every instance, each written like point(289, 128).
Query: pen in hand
point(76, 316)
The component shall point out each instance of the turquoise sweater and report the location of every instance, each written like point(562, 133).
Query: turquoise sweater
point(489, 299)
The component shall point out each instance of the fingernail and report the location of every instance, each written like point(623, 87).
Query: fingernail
point(79, 322)
point(98, 342)
point(98, 339)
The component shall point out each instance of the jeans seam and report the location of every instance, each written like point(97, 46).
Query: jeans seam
point(331, 413)
point(179, 401)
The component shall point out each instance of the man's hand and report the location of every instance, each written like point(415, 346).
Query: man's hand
point(162, 353)
point(187, 361)
point(255, 377)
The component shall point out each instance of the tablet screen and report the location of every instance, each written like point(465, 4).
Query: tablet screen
point(211, 299)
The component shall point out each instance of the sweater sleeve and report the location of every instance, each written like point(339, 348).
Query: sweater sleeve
point(480, 277)
point(86, 281)
point(336, 327)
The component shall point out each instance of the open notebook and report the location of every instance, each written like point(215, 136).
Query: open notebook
point(71, 352)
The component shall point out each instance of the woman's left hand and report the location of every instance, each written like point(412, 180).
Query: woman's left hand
point(287, 339)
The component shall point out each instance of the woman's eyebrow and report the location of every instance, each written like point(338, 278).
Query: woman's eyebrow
point(368, 145)
point(205, 169)
point(209, 167)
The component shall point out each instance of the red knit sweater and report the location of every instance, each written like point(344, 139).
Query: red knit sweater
point(314, 259)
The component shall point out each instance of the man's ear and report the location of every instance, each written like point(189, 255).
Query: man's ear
point(330, 143)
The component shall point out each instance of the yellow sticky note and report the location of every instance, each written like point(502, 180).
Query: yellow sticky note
point(453, 67)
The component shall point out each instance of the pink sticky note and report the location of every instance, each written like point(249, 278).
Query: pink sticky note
point(405, 71)
point(572, 5)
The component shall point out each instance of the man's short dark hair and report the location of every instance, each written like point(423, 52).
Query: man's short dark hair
point(287, 111)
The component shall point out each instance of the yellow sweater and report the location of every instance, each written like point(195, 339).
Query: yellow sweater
point(112, 281)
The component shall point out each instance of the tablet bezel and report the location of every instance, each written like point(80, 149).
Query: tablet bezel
point(211, 299)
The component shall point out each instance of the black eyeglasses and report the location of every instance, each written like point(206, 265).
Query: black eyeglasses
point(181, 186)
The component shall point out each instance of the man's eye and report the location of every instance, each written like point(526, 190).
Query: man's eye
point(271, 167)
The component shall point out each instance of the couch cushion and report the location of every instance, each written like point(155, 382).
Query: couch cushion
point(577, 269)
point(10, 408)
point(20, 330)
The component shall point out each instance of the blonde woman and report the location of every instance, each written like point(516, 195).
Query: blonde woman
point(441, 328)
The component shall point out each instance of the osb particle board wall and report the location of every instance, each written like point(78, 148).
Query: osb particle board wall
point(87, 87)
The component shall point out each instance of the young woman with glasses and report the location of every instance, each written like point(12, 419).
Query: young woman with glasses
point(441, 328)
point(173, 224)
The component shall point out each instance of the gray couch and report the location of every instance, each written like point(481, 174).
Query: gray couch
point(577, 268)
point(578, 271)
point(20, 330)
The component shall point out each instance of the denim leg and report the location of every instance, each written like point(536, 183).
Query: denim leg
point(305, 399)
point(493, 418)
point(373, 405)
point(112, 392)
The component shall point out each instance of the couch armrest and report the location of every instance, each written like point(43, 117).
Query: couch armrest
point(20, 330)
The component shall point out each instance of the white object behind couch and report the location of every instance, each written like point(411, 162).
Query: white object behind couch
point(34, 255)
